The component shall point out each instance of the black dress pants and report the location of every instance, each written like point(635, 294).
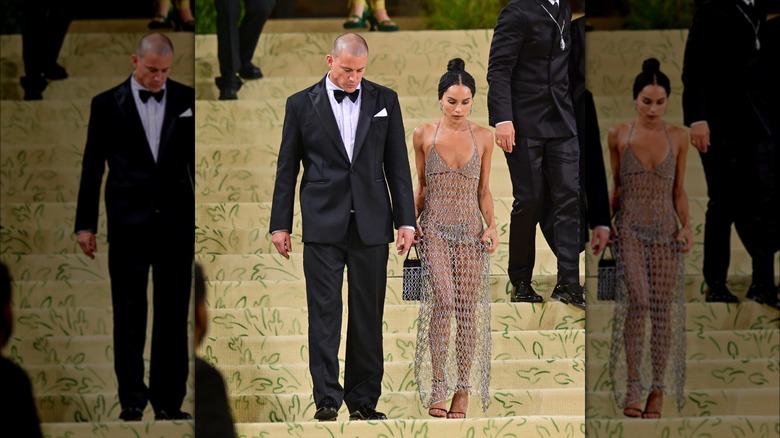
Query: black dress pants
point(236, 43)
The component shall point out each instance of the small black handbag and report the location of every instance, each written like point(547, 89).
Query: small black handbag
point(412, 286)
point(607, 276)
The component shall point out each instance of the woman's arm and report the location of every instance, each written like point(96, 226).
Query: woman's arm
point(613, 141)
point(485, 198)
point(418, 141)
point(685, 236)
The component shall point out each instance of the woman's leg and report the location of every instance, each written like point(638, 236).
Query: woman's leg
point(633, 255)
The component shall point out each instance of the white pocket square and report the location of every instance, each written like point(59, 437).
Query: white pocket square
point(382, 113)
point(187, 113)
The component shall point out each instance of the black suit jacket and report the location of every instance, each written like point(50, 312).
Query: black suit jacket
point(331, 186)
point(137, 188)
point(721, 71)
point(528, 71)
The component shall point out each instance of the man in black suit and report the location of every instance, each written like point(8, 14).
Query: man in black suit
point(236, 44)
point(594, 196)
point(144, 129)
point(725, 106)
point(530, 106)
point(350, 136)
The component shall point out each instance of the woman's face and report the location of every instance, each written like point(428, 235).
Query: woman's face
point(651, 102)
point(456, 102)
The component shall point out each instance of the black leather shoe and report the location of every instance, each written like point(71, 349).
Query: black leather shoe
point(366, 412)
point(55, 72)
point(250, 72)
point(228, 94)
point(131, 414)
point(719, 293)
point(172, 415)
point(327, 410)
point(569, 294)
point(524, 293)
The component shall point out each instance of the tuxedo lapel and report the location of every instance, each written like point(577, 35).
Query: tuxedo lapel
point(367, 106)
point(126, 103)
point(172, 112)
point(321, 104)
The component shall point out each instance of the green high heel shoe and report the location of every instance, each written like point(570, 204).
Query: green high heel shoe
point(382, 26)
point(356, 21)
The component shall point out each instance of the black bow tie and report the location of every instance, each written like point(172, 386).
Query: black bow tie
point(341, 94)
point(146, 94)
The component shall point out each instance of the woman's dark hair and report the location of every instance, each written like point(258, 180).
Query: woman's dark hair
point(651, 75)
point(456, 75)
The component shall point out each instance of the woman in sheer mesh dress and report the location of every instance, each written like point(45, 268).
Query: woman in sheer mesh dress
point(652, 232)
point(453, 197)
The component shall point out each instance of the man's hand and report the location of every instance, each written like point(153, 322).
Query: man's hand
point(599, 240)
point(281, 240)
point(700, 136)
point(404, 241)
point(505, 136)
point(87, 242)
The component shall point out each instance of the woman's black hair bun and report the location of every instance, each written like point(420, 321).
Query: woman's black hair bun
point(456, 64)
point(651, 65)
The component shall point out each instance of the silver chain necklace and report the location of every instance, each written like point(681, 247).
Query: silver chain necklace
point(560, 27)
point(755, 27)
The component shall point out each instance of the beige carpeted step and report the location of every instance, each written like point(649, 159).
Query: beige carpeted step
point(93, 407)
point(276, 350)
point(406, 404)
point(699, 403)
point(700, 375)
point(114, 428)
point(559, 426)
point(707, 345)
point(753, 425)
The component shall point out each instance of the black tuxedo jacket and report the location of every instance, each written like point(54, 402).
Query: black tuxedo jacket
point(528, 71)
point(137, 188)
point(331, 185)
point(721, 72)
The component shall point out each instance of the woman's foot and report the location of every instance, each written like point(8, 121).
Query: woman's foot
point(438, 410)
point(633, 411)
point(632, 406)
point(357, 17)
point(381, 21)
point(655, 403)
point(459, 406)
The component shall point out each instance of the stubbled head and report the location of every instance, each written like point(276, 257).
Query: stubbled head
point(347, 61)
point(152, 61)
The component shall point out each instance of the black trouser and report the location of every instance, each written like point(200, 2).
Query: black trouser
point(236, 43)
point(323, 266)
point(534, 164)
point(44, 25)
point(740, 176)
point(130, 255)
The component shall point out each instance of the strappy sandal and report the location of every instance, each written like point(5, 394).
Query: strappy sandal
point(458, 415)
point(437, 388)
point(633, 394)
point(654, 405)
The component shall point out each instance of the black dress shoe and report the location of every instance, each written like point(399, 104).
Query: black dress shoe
point(327, 410)
point(524, 293)
point(762, 293)
point(250, 72)
point(366, 412)
point(131, 414)
point(228, 94)
point(55, 72)
point(172, 415)
point(719, 293)
point(569, 294)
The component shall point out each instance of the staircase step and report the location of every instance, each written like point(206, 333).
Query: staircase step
point(714, 426)
point(707, 345)
point(559, 426)
point(704, 375)
point(699, 403)
point(115, 428)
point(406, 404)
point(94, 407)
point(279, 350)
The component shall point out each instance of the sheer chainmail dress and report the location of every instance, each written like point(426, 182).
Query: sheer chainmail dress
point(453, 338)
point(648, 354)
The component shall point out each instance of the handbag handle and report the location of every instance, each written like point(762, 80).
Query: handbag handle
point(611, 254)
point(416, 255)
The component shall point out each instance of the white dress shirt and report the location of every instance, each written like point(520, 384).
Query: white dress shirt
point(347, 114)
point(152, 114)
